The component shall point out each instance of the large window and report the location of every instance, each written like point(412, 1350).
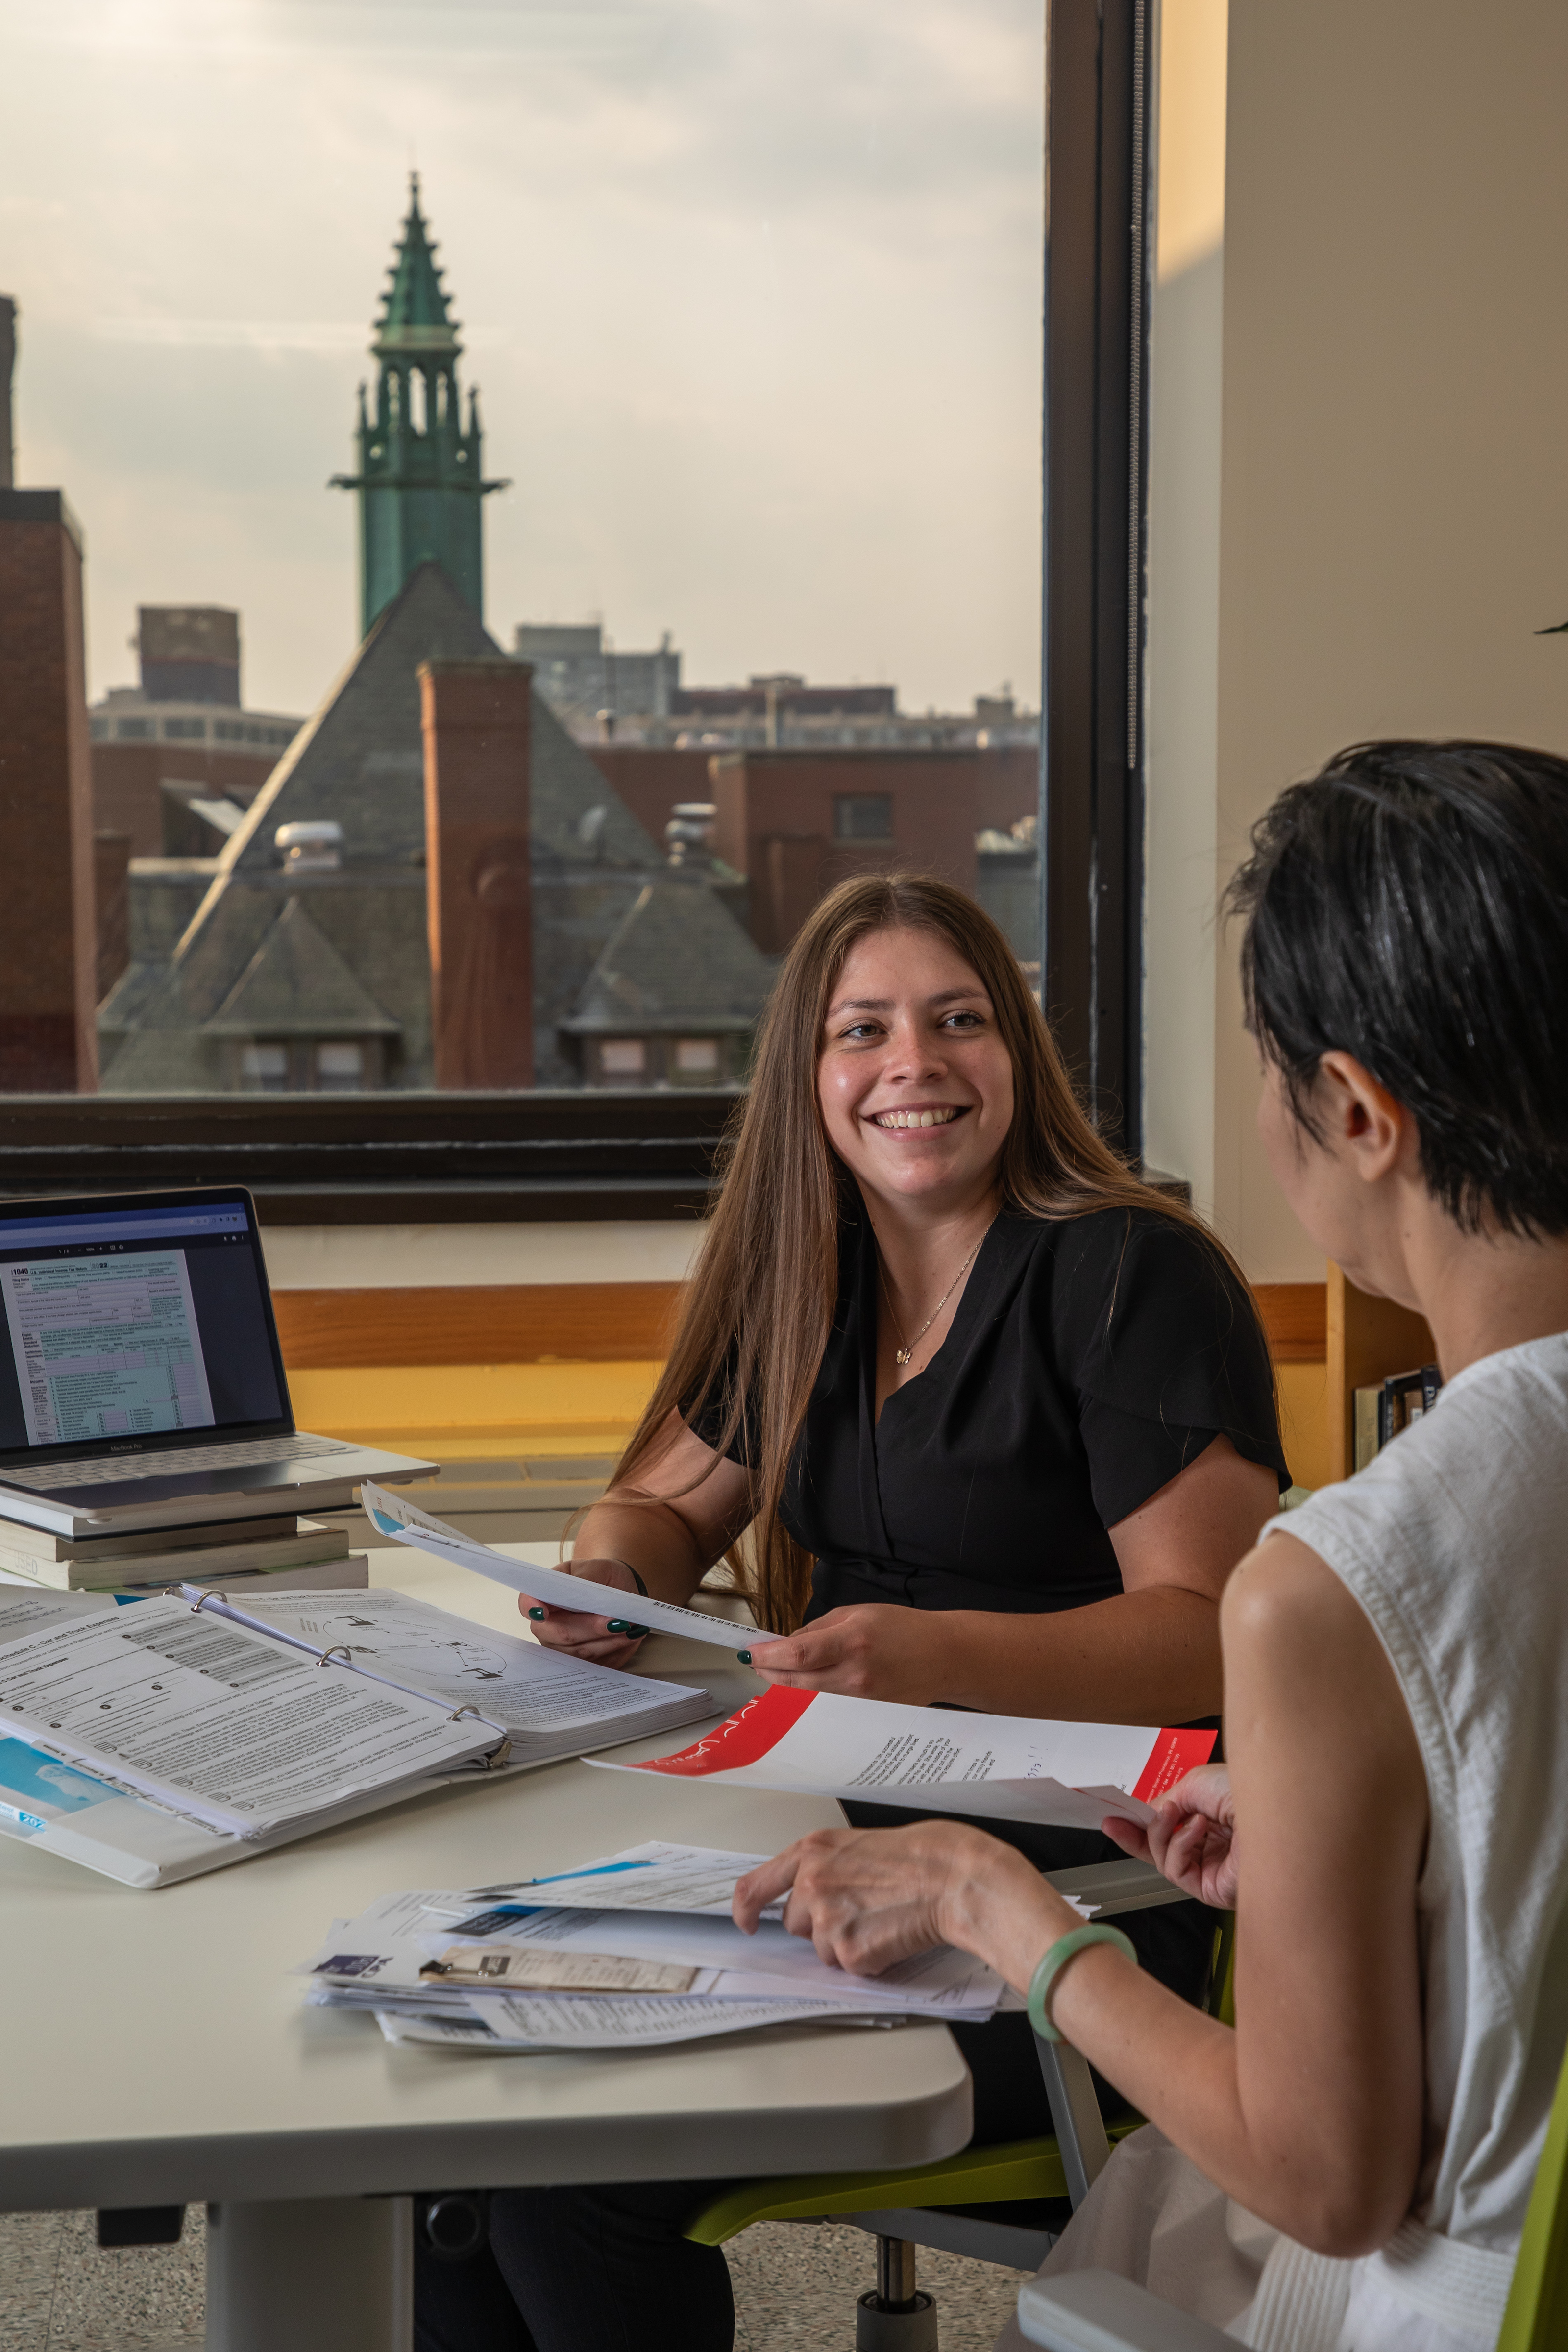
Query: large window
point(510, 761)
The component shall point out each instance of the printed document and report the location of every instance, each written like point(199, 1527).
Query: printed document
point(699, 1879)
point(643, 2021)
point(939, 1761)
point(221, 1725)
point(106, 1347)
point(408, 1523)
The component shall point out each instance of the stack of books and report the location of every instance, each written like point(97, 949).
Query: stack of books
point(287, 1554)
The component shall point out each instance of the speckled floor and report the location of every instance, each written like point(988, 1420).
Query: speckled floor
point(58, 2293)
point(794, 2287)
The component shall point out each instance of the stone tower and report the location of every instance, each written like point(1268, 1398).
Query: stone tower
point(419, 479)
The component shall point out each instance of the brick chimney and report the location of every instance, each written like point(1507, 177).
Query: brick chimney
point(111, 891)
point(476, 717)
point(48, 946)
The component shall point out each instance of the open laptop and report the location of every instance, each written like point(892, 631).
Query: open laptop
point(140, 1380)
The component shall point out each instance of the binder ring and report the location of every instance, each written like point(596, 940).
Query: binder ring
point(197, 1606)
point(499, 1754)
point(338, 1649)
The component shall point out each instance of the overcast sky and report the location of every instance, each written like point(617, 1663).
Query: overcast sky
point(750, 289)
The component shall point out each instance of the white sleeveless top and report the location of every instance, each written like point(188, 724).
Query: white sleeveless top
point(1455, 1542)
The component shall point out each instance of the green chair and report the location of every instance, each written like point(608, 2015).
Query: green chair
point(983, 2202)
point(1096, 2311)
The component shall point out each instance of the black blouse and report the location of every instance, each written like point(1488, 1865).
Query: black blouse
point(1089, 1360)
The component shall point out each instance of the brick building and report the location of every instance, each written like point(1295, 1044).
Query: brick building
point(182, 736)
point(49, 950)
point(299, 958)
point(794, 822)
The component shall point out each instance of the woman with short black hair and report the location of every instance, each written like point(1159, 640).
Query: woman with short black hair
point(1349, 2166)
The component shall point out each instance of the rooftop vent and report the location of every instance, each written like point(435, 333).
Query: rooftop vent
point(689, 835)
point(311, 846)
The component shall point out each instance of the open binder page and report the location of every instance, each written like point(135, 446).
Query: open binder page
point(406, 1523)
point(223, 1725)
point(26, 1612)
point(938, 1760)
point(536, 1695)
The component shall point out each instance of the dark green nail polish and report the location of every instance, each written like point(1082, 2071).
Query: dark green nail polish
point(619, 1625)
point(744, 1657)
point(536, 1612)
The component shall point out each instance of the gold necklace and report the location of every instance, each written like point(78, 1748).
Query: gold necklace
point(902, 1355)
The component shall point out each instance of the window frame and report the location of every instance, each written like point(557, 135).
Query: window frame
point(1099, 210)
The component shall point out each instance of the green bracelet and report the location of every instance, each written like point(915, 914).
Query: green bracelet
point(1064, 1949)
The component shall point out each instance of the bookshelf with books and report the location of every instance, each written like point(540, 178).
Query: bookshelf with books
point(1369, 1342)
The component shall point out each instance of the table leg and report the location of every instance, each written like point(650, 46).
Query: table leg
point(317, 2275)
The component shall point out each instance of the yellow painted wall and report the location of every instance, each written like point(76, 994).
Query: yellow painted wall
point(1304, 1421)
point(467, 1410)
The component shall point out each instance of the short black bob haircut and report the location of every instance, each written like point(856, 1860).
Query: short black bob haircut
point(1409, 906)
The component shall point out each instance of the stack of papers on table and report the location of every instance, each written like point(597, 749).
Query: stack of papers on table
point(164, 1738)
point(636, 1948)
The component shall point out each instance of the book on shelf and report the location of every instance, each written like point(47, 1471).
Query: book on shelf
point(175, 1736)
point(1385, 1408)
point(166, 1554)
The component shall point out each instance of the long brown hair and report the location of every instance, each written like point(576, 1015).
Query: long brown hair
point(757, 1312)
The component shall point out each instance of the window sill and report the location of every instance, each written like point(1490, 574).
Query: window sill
point(358, 1160)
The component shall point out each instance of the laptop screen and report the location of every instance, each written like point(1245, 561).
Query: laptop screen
point(132, 1321)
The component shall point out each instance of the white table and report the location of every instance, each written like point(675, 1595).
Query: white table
point(156, 2050)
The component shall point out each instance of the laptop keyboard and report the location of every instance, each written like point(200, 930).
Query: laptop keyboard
point(107, 1469)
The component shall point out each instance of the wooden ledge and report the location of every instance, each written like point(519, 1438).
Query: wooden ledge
point(1296, 1317)
point(500, 1323)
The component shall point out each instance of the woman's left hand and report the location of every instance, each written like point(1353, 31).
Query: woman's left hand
point(872, 1651)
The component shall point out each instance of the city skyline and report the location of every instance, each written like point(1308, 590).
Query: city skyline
point(753, 312)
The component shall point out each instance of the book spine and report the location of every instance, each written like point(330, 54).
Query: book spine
point(1367, 1404)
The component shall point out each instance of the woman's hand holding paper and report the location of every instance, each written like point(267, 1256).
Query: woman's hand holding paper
point(603, 1641)
point(870, 1651)
point(1192, 1839)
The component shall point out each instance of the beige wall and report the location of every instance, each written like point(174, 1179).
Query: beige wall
point(394, 1258)
point(1185, 358)
point(1393, 465)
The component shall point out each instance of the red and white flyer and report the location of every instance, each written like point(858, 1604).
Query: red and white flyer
point(1004, 1767)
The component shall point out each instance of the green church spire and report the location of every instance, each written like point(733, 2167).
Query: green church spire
point(420, 472)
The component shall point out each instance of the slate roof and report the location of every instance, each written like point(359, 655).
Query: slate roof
point(168, 1026)
point(678, 960)
point(297, 984)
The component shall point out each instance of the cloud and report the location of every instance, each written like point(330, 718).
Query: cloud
point(753, 292)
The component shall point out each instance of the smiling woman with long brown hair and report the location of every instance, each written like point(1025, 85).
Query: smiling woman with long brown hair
point(986, 1421)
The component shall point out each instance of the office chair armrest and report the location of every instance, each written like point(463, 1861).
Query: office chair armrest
point(1095, 2311)
point(1113, 1886)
